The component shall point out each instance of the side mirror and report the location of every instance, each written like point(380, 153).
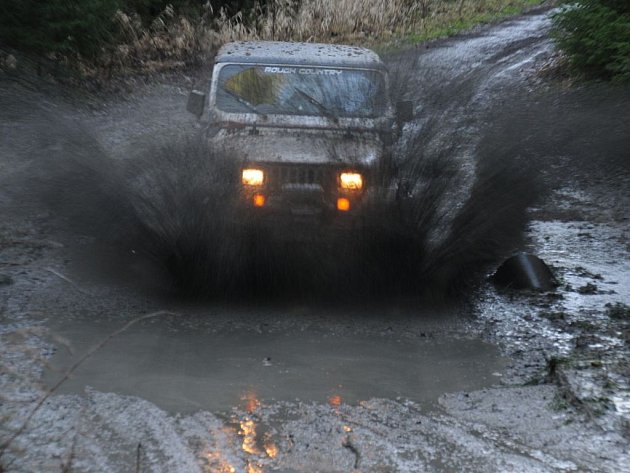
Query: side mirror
point(404, 111)
point(196, 103)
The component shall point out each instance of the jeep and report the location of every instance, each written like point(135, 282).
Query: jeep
point(311, 124)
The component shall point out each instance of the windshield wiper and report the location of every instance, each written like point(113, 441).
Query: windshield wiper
point(245, 103)
point(322, 108)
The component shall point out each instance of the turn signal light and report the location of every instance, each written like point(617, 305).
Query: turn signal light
point(343, 204)
point(252, 177)
point(259, 200)
point(351, 181)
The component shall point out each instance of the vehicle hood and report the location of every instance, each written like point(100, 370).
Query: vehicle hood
point(300, 146)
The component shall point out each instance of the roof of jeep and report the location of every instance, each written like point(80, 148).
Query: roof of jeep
point(299, 54)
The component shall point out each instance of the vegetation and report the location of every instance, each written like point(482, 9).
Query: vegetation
point(595, 34)
point(116, 36)
point(59, 26)
point(618, 311)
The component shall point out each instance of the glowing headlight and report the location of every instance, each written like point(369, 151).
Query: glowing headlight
point(351, 180)
point(252, 177)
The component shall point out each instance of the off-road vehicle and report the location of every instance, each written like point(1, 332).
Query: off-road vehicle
point(311, 124)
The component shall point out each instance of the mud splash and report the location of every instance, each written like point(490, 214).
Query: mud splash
point(171, 209)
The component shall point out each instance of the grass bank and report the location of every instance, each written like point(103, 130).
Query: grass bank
point(471, 14)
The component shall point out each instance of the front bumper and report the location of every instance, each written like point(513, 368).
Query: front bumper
point(301, 211)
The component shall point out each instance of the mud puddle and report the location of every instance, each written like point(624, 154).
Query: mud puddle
point(189, 367)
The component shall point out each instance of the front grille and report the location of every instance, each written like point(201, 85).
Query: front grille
point(282, 175)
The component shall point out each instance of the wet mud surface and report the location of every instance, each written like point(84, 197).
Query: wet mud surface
point(508, 381)
point(187, 365)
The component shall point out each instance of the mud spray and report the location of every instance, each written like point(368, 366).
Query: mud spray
point(172, 208)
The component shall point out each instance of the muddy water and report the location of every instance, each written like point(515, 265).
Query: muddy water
point(187, 367)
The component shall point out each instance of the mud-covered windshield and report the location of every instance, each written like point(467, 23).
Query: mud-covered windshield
point(301, 90)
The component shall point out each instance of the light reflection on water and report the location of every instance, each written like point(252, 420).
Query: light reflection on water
point(258, 450)
point(216, 463)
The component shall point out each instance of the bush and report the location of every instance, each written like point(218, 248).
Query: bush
point(59, 26)
point(595, 34)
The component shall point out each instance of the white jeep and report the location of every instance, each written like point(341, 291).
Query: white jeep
point(312, 126)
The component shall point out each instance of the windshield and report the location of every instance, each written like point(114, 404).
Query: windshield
point(300, 90)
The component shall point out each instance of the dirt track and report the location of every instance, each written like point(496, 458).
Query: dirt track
point(507, 382)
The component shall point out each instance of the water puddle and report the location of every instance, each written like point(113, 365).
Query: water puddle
point(192, 367)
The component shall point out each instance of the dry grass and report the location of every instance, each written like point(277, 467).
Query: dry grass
point(323, 20)
point(170, 42)
point(360, 20)
point(173, 41)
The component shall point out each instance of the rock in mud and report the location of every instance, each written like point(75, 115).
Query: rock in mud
point(525, 271)
point(588, 289)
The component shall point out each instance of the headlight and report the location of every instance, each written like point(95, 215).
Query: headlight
point(351, 181)
point(252, 177)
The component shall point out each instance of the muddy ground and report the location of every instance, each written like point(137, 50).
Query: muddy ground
point(499, 381)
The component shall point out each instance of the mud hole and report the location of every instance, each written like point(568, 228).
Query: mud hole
point(270, 365)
